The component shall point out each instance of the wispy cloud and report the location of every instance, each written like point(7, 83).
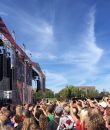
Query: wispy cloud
point(54, 80)
point(40, 31)
point(36, 30)
point(3, 13)
point(84, 57)
point(87, 54)
point(41, 55)
point(92, 53)
point(78, 64)
point(4, 10)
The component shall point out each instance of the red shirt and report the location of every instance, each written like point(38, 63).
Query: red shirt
point(78, 125)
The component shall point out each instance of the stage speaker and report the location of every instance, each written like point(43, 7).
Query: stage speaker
point(1, 66)
point(8, 66)
point(11, 78)
point(38, 85)
point(4, 65)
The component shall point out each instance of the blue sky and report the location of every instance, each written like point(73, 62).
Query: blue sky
point(68, 38)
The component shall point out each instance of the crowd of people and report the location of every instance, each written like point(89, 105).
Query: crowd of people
point(57, 115)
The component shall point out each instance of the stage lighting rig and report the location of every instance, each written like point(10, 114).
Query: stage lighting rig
point(26, 61)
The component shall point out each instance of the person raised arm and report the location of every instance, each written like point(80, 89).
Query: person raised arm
point(72, 114)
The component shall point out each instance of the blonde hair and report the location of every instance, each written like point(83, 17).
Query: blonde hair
point(43, 122)
point(27, 122)
point(19, 110)
point(4, 110)
point(84, 118)
point(32, 126)
point(84, 115)
point(3, 120)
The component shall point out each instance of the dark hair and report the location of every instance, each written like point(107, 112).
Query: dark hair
point(74, 101)
point(27, 113)
point(80, 103)
point(12, 109)
point(59, 114)
point(96, 122)
point(50, 108)
point(38, 113)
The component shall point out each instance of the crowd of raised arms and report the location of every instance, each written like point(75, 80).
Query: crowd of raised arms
point(58, 115)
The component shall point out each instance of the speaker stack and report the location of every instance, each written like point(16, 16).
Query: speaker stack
point(38, 85)
point(1, 67)
point(8, 66)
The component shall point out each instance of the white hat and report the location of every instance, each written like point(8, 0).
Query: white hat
point(103, 104)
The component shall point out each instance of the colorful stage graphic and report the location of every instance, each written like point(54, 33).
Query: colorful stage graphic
point(17, 70)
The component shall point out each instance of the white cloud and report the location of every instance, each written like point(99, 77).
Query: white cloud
point(54, 80)
point(84, 57)
point(91, 51)
point(3, 13)
point(40, 31)
point(86, 54)
point(41, 55)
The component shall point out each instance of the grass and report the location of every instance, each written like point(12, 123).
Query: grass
point(51, 99)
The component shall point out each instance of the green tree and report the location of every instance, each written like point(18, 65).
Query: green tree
point(67, 92)
point(37, 95)
point(57, 96)
point(71, 91)
point(49, 93)
point(104, 93)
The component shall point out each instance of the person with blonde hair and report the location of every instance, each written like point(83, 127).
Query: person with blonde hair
point(19, 112)
point(43, 122)
point(3, 120)
point(27, 120)
point(33, 126)
point(80, 120)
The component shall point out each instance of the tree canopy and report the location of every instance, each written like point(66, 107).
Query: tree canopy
point(70, 91)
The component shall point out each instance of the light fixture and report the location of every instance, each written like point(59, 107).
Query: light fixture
point(8, 54)
point(0, 51)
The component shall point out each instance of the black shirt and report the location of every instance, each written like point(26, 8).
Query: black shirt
point(52, 125)
point(19, 127)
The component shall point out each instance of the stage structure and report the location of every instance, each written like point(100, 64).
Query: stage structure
point(17, 70)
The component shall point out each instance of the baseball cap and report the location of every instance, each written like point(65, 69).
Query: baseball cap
point(59, 109)
point(103, 104)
